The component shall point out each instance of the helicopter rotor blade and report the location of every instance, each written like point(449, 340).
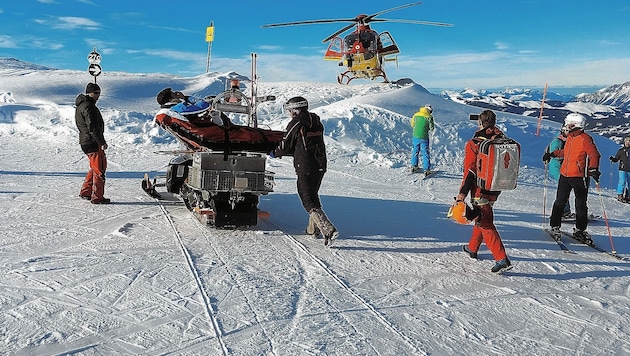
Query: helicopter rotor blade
point(415, 22)
point(360, 20)
point(307, 22)
point(371, 17)
point(342, 30)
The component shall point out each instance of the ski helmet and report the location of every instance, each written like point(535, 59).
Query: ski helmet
point(429, 108)
point(488, 118)
point(457, 212)
point(296, 105)
point(164, 96)
point(575, 121)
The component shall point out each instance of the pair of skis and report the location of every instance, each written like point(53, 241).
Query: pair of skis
point(424, 174)
point(565, 249)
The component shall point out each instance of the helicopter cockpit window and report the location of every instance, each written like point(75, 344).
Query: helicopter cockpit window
point(350, 39)
point(368, 40)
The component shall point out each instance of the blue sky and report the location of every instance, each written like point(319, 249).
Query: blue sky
point(494, 43)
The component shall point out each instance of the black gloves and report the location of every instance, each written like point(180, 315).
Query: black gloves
point(547, 157)
point(612, 159)
point(472, 213)
point(595, 173)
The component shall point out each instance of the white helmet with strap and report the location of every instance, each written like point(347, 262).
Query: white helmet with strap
point(575, 120)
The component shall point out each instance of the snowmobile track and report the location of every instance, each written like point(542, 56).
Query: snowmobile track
point(288, 238)
point(381, 318)
point(193, 271)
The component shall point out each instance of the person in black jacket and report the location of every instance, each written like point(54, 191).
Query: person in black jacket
point(91, 126)
point(624, 169)
point(304, 140)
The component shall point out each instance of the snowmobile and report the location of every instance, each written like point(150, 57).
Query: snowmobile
point(221, 173)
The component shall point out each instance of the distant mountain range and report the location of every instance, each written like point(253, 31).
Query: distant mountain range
point(7, 63)
point(607, 110)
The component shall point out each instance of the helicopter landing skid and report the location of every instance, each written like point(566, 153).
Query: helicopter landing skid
point(347, 76)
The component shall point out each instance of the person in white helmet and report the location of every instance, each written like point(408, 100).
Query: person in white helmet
point(580, 163)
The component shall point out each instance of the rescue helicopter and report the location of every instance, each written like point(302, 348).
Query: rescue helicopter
point(364, 51)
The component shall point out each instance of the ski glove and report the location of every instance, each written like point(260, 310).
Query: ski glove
point(595, 173)
point(612, 159)
point(472, 213)
point(547, 157)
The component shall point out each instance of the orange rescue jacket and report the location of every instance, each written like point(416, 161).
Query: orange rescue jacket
point(579, 154)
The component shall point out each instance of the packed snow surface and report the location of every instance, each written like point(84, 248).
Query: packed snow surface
point(142, 276)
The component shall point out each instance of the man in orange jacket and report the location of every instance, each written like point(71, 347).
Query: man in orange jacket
point(580, 161)
point(482, 200)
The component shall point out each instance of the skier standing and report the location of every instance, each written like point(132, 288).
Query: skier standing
point(554, 164)
point(91, 127)
point(482, 200)
point(422, 123)
point(304, 140)
point(624, 169)
point(581, 161)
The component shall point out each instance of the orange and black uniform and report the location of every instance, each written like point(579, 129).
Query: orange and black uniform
point(483, 200)
point(579, 156)
point(91, 126)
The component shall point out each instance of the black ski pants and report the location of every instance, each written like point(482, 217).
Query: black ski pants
point(308, 189)
point(579, 185)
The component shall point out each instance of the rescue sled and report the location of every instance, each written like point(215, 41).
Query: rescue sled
point(221, 173)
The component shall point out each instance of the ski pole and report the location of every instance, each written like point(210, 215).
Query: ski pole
point(544, 217)
point(601, 199)
point(611, 169)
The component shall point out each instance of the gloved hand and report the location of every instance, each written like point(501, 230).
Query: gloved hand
point(472, 212)
point(272, 155)
point(612, 159)
point(595, 173)
point(547, 157)
point(460, 197)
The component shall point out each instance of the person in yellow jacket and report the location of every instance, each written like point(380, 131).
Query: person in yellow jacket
point(422, 124)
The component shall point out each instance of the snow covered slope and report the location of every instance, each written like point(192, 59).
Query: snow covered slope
point(143, 277)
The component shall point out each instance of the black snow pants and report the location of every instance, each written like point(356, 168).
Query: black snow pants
point(308, 189)
point(579, 185)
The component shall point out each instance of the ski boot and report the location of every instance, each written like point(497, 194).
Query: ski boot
point(583, 236)
point(502, 266)
point(469, 252)
point(415, 169)
point(427, 173)
point(325, 226)
point(312, 228)
point(555, 233)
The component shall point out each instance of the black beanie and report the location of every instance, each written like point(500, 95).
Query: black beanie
point(91, 88)
point(164, 96)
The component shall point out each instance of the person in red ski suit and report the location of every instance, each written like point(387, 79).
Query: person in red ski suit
point(482, 200)
point(91, 127)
